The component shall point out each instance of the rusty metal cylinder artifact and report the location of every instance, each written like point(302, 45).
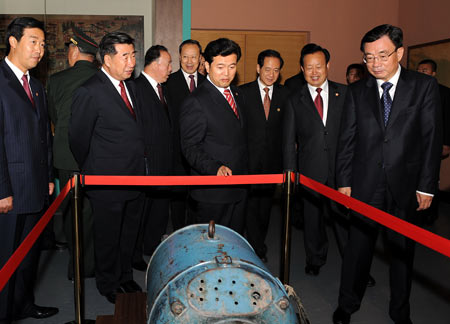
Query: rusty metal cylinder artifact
point(210, 274)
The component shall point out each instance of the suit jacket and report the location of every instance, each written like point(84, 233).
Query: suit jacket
point(212, 136)
point(25, 144)
point(295, 83)
point(407, 151)
point(177, 92)
point(309, 145)
point(60, 89)
point(264, 136)
point(104, 137)
point(445, 101)
point(157, 128)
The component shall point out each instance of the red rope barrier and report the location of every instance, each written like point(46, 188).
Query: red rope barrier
point(8, 269)
point(93, 180)
point(414, 232)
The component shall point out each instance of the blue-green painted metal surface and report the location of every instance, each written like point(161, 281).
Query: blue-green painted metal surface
point(193, 278)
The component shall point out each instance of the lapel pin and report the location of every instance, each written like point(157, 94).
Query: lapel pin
point(37, 94)
point(337, 94)
point(278, 109)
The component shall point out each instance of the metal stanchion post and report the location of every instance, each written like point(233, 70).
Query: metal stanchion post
point(78, 285)
point(286, 228)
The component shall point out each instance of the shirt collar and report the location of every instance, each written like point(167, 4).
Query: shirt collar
point(186, 75)
point(262, 85)
point(152, 81)
point(114, 81)
point(17, 72)
point(218, 88)
point(323, 86)
point(393, 80)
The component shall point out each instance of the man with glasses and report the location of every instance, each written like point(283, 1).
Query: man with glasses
point(388, 156)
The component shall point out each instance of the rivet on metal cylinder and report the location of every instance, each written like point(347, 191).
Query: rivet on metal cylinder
point(283, 303)
point(177, 308)
point(211, 229)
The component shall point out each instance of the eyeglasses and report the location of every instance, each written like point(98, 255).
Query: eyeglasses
point(382, 57)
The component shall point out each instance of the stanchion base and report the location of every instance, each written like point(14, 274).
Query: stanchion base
point(86, 321)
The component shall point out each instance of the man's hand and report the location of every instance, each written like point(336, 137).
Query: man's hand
point(424, 201)
point(51, 188)
point(346, 191)
point(6, 204)
point(445, 151)
point(224, 171)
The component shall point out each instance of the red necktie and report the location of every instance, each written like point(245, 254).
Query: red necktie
point(266, 102)
point(124, 96)
point(161, 95)
point(26, 87)
point(230, 100)
point(319, 103)
point(192, 84)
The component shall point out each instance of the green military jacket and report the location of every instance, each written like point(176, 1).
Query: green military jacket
point(60, 89)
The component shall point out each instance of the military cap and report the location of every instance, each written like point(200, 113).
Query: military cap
point(83, 41)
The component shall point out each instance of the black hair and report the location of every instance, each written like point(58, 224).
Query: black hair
point(190, 41)
point(221, 47)
point(16, 27)
point(312, 48)
point(154, 53)
point(108, 41)
point(395, 34)
point(430, 62)
point(356, 66)
point(269, 53)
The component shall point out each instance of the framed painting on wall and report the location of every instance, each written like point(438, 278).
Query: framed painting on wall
point(58, 33)
point(438, 51)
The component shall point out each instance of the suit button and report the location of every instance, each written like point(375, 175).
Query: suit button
point(325, 132)
point(386, 140)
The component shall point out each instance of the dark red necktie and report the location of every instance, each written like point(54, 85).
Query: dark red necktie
point(123, 94)
point(319, 103)
point(266, 103)
point(26, 87)
point(230, 100)
point(161, 95)
point(192, 84)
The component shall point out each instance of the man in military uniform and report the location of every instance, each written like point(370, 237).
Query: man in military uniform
point(61, 86)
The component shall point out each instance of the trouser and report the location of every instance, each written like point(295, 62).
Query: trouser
point(18, 295)
point(116, 226)
point(358, 257)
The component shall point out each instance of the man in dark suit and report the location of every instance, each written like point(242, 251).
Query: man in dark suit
point(429, 67)
point(213, 137)
point(60, 88)
point(296, 82)
point(106, 138)
point(158, 130)
point(311, 130)
point(388, 156)
point(26, 179)
point(179, 85)
point(264, 107)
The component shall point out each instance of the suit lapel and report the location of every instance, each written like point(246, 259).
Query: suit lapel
point(275, 102)
point(114, 93)
point(403, 91)
point(15, 84)
point(373, 100)
point(239, 104)
point(333, 97)
point(36, 97)
point(308, 103)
